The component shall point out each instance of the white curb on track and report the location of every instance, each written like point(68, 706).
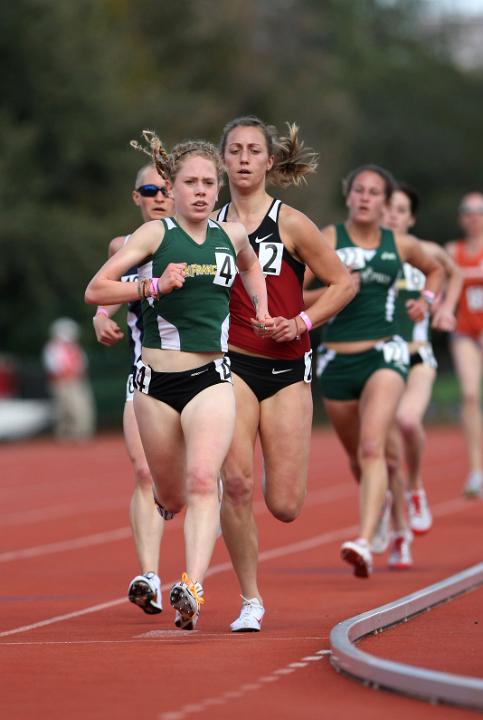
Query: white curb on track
point(429, 685)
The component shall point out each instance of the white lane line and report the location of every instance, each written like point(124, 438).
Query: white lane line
point(237, 693)
point(75, 544)
point(169, 636)
point(25, 517)
point(60, 618)
point(325, 538)
point(331, 494)
point(318, 540)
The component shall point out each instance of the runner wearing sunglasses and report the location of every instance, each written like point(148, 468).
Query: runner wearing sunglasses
point(151, 196)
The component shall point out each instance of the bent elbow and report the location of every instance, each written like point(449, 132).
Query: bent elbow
point(90, 296)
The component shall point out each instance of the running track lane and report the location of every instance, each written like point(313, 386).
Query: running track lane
point(106, 658)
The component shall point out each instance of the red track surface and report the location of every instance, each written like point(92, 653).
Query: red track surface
point(66, 550)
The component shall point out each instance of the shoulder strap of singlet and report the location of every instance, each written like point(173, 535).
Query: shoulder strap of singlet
point(274, 211)
point(223, 213)
point(342, 237)
point(388, 241)
point(168, 223)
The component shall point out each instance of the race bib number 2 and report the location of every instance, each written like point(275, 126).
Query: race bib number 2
point(270, 256)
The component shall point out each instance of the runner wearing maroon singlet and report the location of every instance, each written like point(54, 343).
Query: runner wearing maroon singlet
point(271, 374)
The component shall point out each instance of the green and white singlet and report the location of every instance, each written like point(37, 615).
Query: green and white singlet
point(371, 313)
point(194, 318)
point(409, 287)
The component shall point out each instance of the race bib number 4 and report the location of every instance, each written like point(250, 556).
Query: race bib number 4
point(142, 377)
point(225, 269)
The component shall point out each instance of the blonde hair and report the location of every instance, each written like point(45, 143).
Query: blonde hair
point(292, 161)
point(168, 164)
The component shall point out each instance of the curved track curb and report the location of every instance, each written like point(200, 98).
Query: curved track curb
point(429, 685)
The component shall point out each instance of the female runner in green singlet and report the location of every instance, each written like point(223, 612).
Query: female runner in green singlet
point(184, 400)
point(408, 432)
point(400, 216)
point(362, 365)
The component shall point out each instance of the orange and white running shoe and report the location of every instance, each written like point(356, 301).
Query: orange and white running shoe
point(186, 597)
point(400, 557)
point(419, 514)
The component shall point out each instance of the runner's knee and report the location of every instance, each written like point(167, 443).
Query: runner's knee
point(409, 424)
point(237, 487)
point(143, 476)
point(286, 509)
point(200, 481)
point(370, 449)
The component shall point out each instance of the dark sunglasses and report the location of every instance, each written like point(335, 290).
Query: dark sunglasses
point(152, 190)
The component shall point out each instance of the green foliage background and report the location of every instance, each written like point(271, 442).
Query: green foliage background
point(366, 80)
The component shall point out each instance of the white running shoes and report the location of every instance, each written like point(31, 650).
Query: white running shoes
point(186, 597)
point(419, 514)
point(380, 541)
point(400, 557)
point(145, 591)
point(251, 616)
point(358, 554)
point(474, 484)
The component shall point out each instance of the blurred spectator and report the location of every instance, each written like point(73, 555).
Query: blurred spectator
point(7, 377)
point(66, 365)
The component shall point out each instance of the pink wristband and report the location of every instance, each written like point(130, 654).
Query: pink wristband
point(153, 287)
point(429, 296)
point(306, 319)
point(102, 311)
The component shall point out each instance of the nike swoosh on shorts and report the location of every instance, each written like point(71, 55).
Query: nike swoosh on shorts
point(277, 372)
point(199, 372)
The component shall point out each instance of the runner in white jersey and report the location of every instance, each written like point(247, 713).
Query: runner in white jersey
point(151, 196)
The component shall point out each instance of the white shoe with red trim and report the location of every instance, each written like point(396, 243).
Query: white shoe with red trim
point(419, 514)
point(358, 554)
point(251, 616)
point(400, 557)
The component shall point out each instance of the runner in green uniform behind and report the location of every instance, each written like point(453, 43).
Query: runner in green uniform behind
point(363, 363)
point(400, 216)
